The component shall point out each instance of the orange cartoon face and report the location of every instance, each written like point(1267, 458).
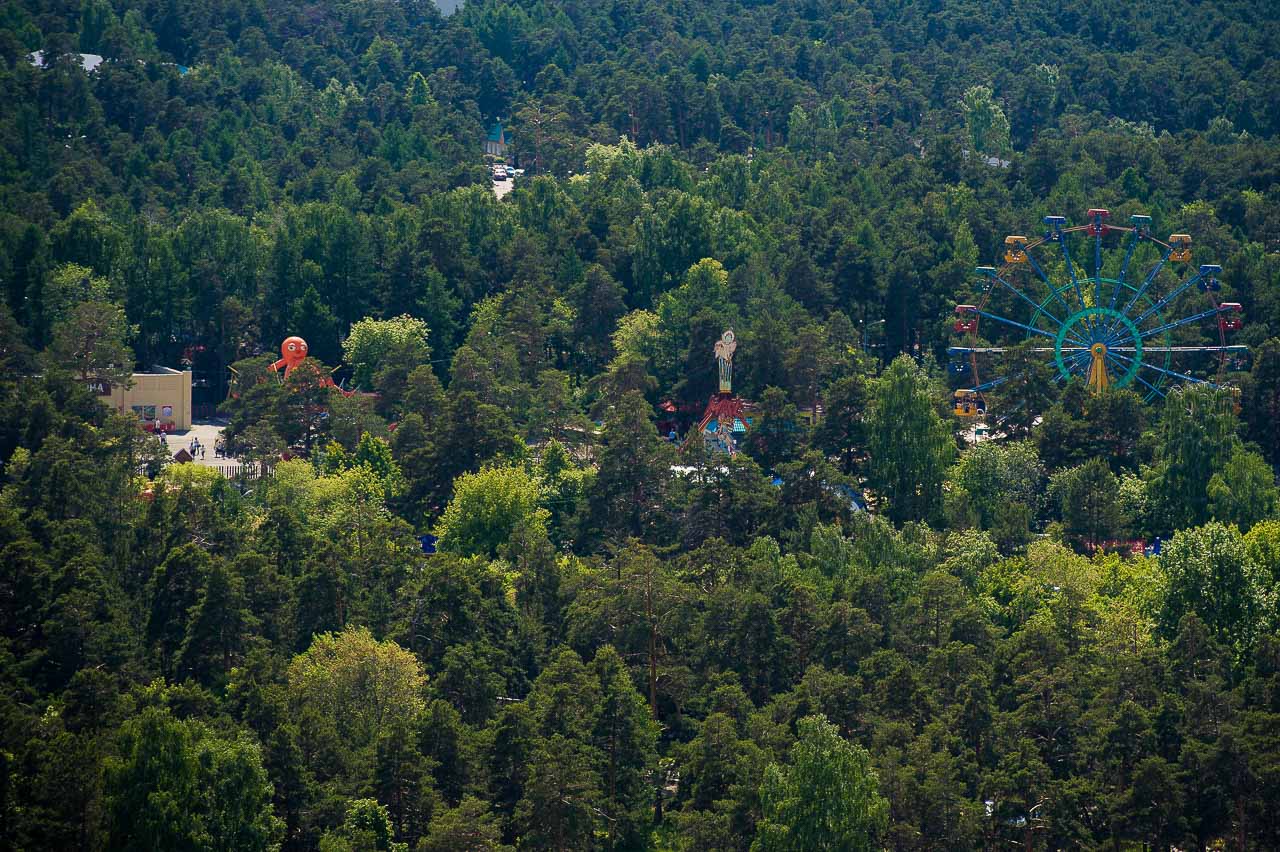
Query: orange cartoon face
point(293, 350)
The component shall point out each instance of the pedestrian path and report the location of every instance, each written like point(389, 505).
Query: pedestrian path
point(208, 432)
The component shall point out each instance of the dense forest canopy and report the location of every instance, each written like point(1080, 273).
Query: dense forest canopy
point(867, 629)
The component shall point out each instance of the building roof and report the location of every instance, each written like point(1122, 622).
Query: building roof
point(496, 133)
point(993, 162)
point(88, 61)
point(713, 425)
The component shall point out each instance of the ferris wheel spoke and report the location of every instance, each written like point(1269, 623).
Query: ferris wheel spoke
point(1053, 291)
point(1079, 341)
point(1121, 369)
point(1071, 364)
point(1030, 301)
point(1123, 279)
point(1057, 376)
point(1137, 374)
point(1119, 336)
point(1014, 323)
point(993, 383)
point(1113, 331)
point(1174, 373)
point(1077, 360)
point(1195, 349)
point(1173, 294)
point(1154, 389)
point(1170, 326)
point(1151, 276)
point(1071, 269)
point(1097, 268)
point(1000, 350)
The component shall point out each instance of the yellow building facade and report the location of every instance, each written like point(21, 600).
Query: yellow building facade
point(161, 396)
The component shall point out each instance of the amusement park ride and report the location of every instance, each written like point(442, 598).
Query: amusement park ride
point(293, 351)
point(726, 417)
point(1111, 328)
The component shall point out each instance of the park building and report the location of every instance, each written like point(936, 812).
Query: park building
point(159, 397)
point(497, 142)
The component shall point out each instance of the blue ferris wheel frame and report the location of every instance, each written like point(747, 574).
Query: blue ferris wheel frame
point(1082, 310)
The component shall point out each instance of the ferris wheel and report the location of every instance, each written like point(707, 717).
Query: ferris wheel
point(1143, 318)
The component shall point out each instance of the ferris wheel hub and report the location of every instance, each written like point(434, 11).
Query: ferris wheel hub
point(1089, 337)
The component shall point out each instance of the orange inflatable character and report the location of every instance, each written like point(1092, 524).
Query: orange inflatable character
point(293, 350)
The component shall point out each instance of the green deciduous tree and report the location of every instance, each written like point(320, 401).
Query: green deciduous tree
point(1263, 545)
point(987, 123)
point(90, 341)
point(1207, 571)
point(911, 446)
point(1244, 491)
point(1197, 438)
point(992, 476)
point(827, 799)
point(68, 285)
point(366, 828)
point(175, 785)
point(357, 684)
point(487, 507)
point(398, 344)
